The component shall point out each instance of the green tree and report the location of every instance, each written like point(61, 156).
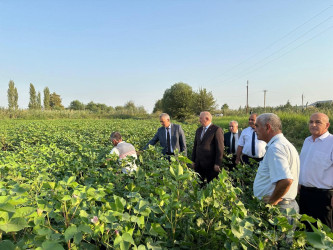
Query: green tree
point(33, 97)
point(12, 96)
point(177, 101)
point(39, 101)
point(203, 101)
point(46, 100)
point(76, 105)
point(130, 106)
point(158, 106)
point(225, 108)
point(55, 101)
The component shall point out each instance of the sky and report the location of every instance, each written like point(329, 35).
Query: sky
point(113, 52)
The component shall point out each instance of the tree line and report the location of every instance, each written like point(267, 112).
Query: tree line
point(52, 101)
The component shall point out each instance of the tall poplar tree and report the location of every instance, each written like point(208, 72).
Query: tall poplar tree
point(33, 97)
point(46, 98)
point(39, 101)
point(12, 96)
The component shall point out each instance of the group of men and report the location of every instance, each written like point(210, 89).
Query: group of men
point(282, 173)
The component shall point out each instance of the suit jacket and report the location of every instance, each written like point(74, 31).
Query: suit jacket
point(227, 141)
point(177, 138)
point(208, 151)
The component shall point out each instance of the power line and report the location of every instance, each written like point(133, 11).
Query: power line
point(287, 52)
point(275, 42)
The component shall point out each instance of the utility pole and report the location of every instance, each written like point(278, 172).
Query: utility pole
point(265, 99)
point(302, 102)
point(247, 96)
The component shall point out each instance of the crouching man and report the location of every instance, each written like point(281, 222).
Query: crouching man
point(124, 151)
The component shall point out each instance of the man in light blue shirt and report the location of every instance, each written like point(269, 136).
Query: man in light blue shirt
point(276, 181)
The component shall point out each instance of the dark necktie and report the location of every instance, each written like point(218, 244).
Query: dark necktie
point(203, 132)
point(168, 141)
point(253, 143)
point(233, 144)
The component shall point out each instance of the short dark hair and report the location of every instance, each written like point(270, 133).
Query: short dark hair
point(115, 136)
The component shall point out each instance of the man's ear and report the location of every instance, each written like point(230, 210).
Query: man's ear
point(268, 126)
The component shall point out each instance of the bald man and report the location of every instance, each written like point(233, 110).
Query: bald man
point(208, 149)
point(316, 175)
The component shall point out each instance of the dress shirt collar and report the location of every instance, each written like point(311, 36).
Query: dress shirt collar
point(207, 126)
point(322, 137)
point(168, 127)
point(273, 139)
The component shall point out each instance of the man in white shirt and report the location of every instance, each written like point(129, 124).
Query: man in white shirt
point(125, 151)
point(316, 177)
point(249, 147)
point(276, 181)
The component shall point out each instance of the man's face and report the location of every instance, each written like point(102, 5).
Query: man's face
point(114, 142)
point(318, 125)
point(165, 122)
point(233, 127)
point(261, 131)
point(252, 121)
point(203, 119)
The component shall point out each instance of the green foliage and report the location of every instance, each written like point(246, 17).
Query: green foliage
point(55, 101)
point(158, 106)
point(33, 97)
point(203, 101)
point(177, 101)
point(181, 102)
point(38, 101)
point(76, 105)
point(12, 96)
point(57, 191)
point(46, 100)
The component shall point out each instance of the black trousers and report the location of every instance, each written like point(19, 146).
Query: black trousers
point(208, 174)
point(246, 159)
point(317, 203)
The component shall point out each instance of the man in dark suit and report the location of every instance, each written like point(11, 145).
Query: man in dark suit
point(231, 142)
point(171, 137)
point(208, 149)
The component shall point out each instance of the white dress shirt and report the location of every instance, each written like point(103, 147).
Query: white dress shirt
point(281, 161)
point(245, 141)
point(317, 162)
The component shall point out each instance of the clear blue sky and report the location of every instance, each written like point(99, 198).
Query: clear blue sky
point(115, 51)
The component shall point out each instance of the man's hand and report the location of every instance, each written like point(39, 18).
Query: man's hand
point(266, 199)
point(237, 161)
point(217, 168)
point(193, 165)
point(281, 188)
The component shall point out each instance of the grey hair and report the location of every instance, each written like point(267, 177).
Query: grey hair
point(271, 119)
point(165, 115)
point(234, 122)
point(207, 114)
point(115, 136)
